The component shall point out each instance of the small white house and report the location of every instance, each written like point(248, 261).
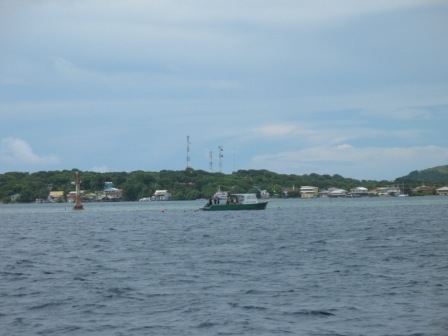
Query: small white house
point(359, 191)
point(388, 191)
point(161, 195)
point(336, 192)
point(442, 191)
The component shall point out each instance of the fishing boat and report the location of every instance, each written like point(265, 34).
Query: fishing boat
point(235, 202)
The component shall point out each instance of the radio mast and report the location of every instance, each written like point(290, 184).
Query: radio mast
point(220, 156)
point(210, 153)
point(188, 151)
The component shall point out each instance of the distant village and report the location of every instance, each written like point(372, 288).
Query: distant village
point(109, 194)
point(112, 194)
point(386, 191)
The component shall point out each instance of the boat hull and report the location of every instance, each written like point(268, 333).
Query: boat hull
point(233, 207)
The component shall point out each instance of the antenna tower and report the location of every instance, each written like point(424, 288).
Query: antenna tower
point(188, 151)
point(220, 156)
point(210, 153)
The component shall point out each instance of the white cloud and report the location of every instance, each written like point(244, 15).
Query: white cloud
point(186, 15)
point(344, 147)
point(278, 130)
point(343, 131)
point(225, 85)
point(296, 12)
point(101, 169)
point(17, 153)
point(413, 114)
point(70, 71)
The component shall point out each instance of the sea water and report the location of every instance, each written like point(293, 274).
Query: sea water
point(368, 266)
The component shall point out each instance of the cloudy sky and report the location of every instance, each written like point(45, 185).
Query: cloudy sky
point(349, 87)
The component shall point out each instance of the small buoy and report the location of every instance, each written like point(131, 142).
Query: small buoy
point(163, 210)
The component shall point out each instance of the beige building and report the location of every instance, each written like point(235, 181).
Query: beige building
point(442, 191)
point(309, 191)
point(56, 196)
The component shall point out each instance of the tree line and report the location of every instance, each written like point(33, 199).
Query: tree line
point(188, 184)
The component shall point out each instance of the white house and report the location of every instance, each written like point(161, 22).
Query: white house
point(359, 191)
point(112, 193)
point(336, 192)
point(442, 191)
point(161, 195)
point(389, 191)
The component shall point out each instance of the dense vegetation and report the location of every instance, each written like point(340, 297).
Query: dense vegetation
point(428, 176)
point(191, 184)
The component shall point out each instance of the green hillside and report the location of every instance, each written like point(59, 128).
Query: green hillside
point(434, 175)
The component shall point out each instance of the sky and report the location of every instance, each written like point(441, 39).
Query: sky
point(348, 87)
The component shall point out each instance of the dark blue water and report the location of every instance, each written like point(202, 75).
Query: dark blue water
point(301, 267)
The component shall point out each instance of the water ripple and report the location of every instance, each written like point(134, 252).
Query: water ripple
point(349, 267)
